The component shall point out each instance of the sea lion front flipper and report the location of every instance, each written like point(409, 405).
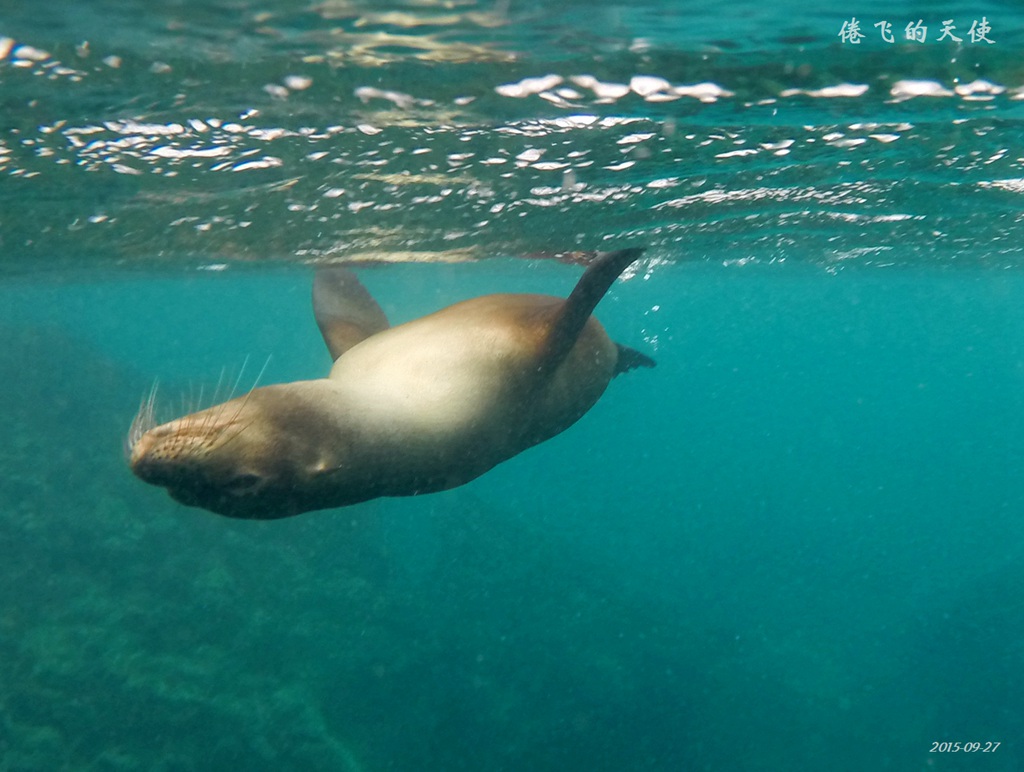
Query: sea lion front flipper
point(345, 312)
point(576, 310)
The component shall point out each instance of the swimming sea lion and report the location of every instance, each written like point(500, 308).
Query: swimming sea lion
point(417, 408)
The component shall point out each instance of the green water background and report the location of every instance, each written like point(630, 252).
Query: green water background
point(796, 544)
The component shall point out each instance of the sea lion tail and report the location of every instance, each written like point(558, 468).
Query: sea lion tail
point(576, 310)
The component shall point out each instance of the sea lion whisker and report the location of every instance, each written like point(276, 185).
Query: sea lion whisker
point(236, 435)
point(261, 372)
point(149, 415)
point(216, 416)
point(210, 419)
point(151, 402)
point(220, 382)
point(219, 399)
point(144, 419)
point(238, 380)
point(195, 399)
point(248, 394)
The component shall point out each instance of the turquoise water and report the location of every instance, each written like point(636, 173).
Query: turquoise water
point(796, 544)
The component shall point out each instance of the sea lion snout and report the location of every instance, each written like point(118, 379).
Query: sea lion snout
point(184, 467)
point(151, 460)
point(138, 456)
point(160, 449)
point(159, 459)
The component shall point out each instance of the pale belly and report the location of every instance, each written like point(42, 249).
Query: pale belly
point(462, 388)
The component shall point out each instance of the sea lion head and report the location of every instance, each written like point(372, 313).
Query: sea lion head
point(255, 457)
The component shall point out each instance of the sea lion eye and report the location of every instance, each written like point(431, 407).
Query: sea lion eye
point(242, 483)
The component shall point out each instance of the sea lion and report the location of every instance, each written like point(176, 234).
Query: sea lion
point(417, 408)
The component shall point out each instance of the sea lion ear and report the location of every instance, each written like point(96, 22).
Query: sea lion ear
point(345, 312)
point(574, 313)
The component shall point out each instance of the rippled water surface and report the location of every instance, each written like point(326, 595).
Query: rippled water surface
point(226, 132)
point(795, 544)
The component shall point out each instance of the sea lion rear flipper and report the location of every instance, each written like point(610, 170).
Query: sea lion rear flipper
point(345, 312)
point(630, 359)
point(576, 310)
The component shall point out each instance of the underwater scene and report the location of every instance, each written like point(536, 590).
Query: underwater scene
point(796, 543)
